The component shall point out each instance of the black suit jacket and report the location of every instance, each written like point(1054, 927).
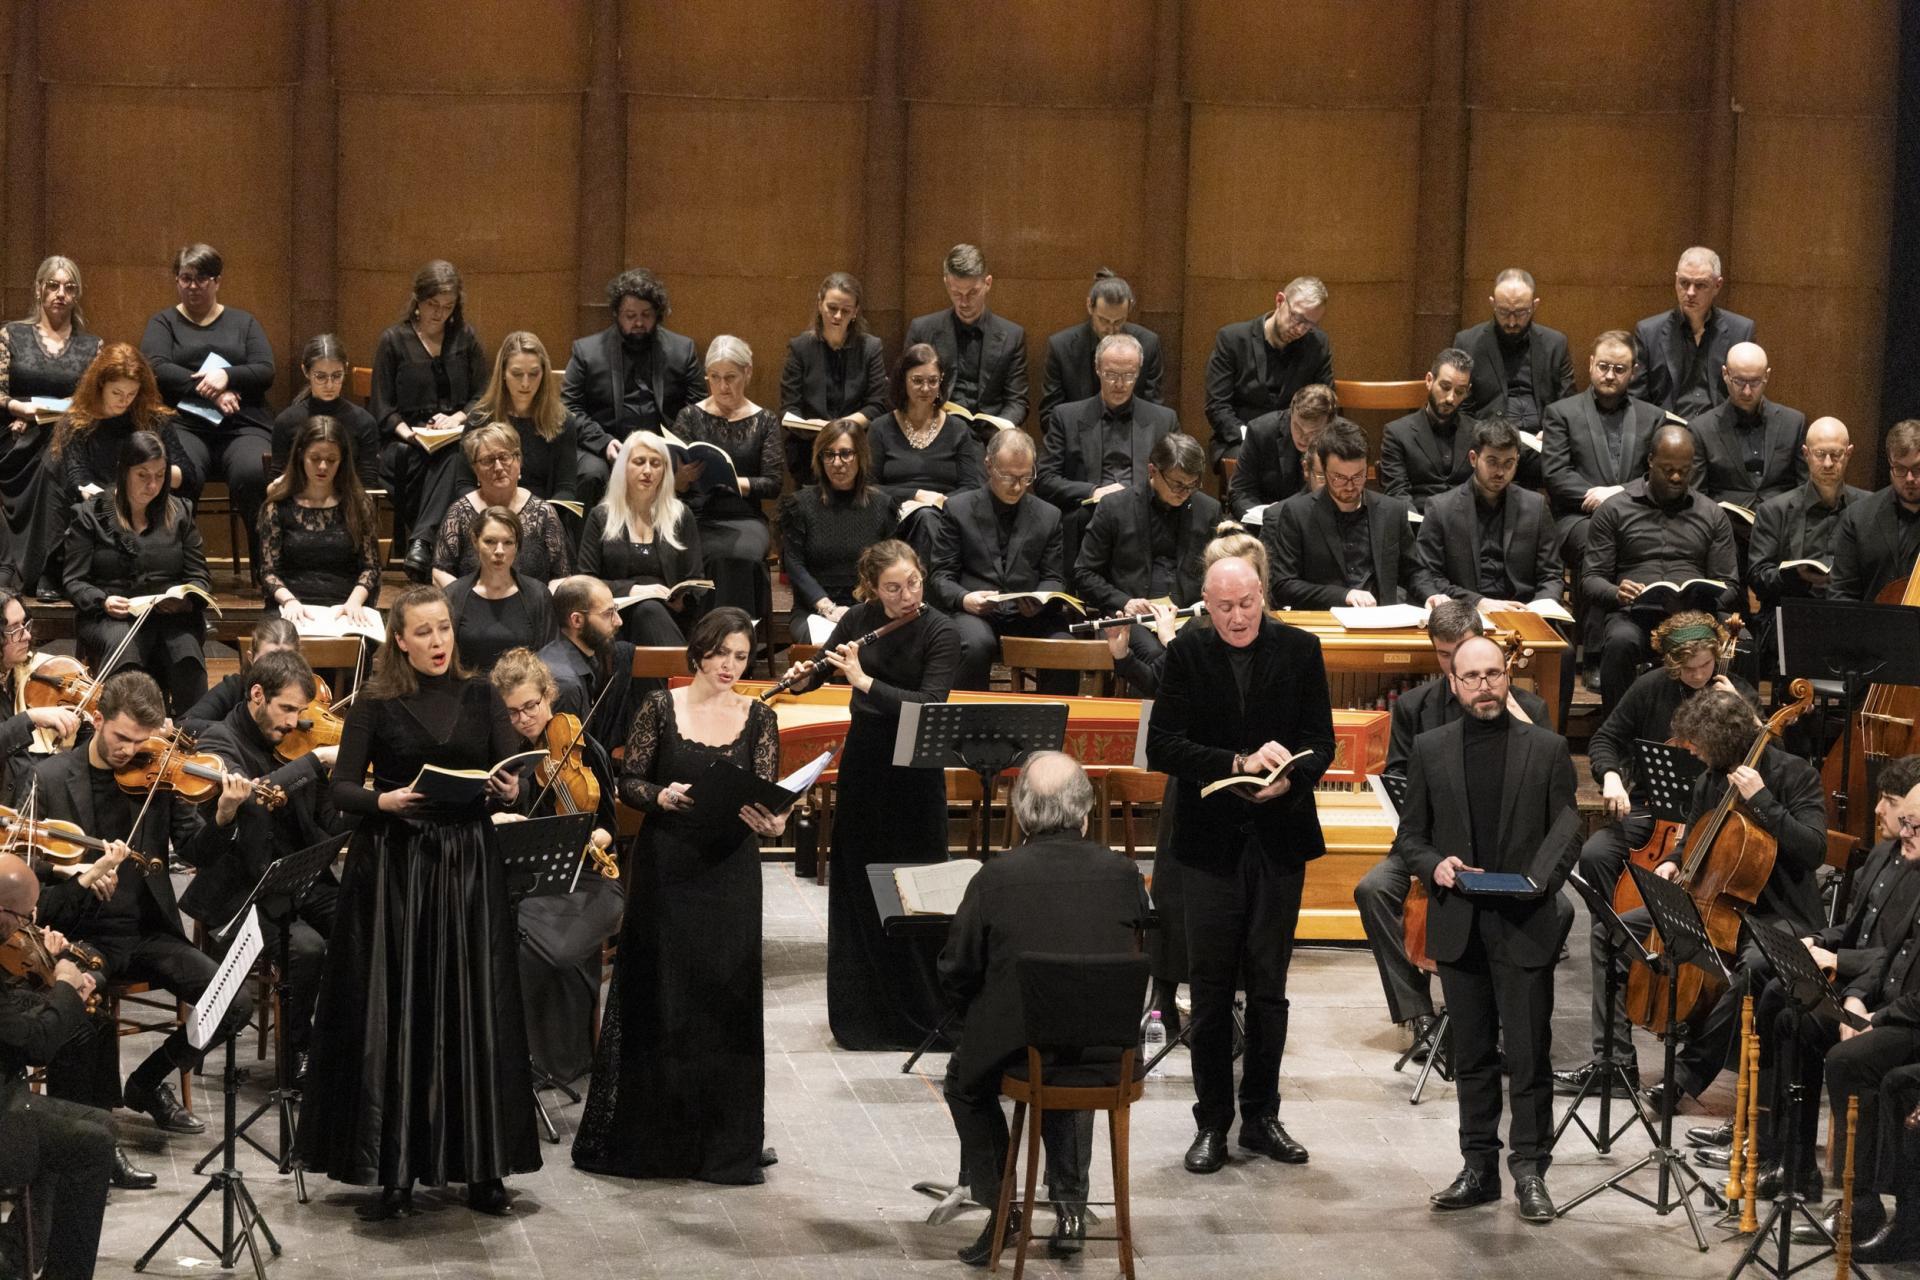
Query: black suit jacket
point(1852, 957)
point(1436, 824)
point(1867, 552)
point(1200, 722)
point(1446, 551)
point(1720, 466)
point(1305, 561)
point(580, 685)
point(34, 1027)
point(1070, 456)
point(1003, 361)
point(1547, 358)
point(808, 388)
point(967, 555)
point(1575, 453)
point(1777, 526)
point(597, 373)
point(1432, 704)
point(1115, 563)
point(1237, 387)
point(1659, 346)
point(1070, 374)
point(1062, 895)
point(1410, 465)
point(1269, 469)
point(1792, 807)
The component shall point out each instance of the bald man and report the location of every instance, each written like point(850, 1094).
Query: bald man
point(1236, 698)
point(1678, 354)
point(64, 1149)
point(1750, 447)
point(1800, 523)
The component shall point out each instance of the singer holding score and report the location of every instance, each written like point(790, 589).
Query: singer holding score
point(419, 1070)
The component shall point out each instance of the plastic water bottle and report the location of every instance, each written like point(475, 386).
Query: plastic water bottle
point(1153, 1036)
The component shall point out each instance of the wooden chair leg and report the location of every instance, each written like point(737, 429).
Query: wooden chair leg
point(1008, 1169)
point(1118, 1126)
point(1033, 1174)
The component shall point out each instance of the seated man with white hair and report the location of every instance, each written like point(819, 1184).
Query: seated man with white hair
point(1678, 355)
point(733, 524)
point(1058, 893)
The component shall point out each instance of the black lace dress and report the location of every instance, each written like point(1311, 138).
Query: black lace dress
point(733, 529)
point(545, 552)
point(310, 552)
point(419, 1069)
point(29, 489)
point(679, 1079)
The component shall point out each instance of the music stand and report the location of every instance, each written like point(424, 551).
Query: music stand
point(1857, 644)
point(1606, 1075)
point(1808, 993)
point(1665, 774)
point(986, 737)
point(543, 857)
point(1686, 942)
point(282, 884)
point(239, 1214)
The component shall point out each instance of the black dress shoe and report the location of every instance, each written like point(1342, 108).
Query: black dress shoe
point(1869, 1220)
point(489, 1196)
point(419, 562)
point(1469, 1189)
point(1572, 1081)
point(47, 593)
point(1069, 1230)
point(1895, 1242)
point(163, 1104)
point(1712, 1135)
point(1208, 1152)
point(393, 1202)
point(768, 1157)
point(128, 1178)
point(1535, 1204)
point(1713, 1157)
point(1773, 1181)
point(980, 1252)
point(301, 1061)
point(1269, 1137)
point(1656, 1101)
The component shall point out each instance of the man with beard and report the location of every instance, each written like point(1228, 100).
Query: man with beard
point(1487, 541)
point(1878, 539)
point(1483, 794)
point(1425, 453)
point(1520, 366)
point(587, 655)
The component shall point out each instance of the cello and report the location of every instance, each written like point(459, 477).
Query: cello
point(1726, 864)
point(1882, 730)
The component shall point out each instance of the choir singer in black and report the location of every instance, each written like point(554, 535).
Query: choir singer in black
point(1235, 699)
point(1483, 794)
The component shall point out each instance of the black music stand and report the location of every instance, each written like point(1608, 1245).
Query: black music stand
point(1857, 644)
point(282, 885)
point(1686, 942)
point(1808, 994)
point(543, 857)
point(240, 1216)
point(1607, 1076)
point(1665, 774)
point(986, 737)
point(1430, 1048)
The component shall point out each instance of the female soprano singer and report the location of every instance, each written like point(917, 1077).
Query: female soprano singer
point(883, 993)
point(560, 934)
point(419, 1070)
point(685, 1097)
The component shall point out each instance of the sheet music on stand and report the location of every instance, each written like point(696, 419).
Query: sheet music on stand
point(1802, 978)
point(211, 1008)
point(287, 878)
point(544, 856)
point(1666, 774)
point(1679, 923)
point(1392, 790)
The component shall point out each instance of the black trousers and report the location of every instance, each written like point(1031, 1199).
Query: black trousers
point(69, 1148)
point(1813, 1036)
point(306, 957)
point(1855, 1068)
point(1603, 859)
point(1896, 1146)
point(590, 478)
point(980, 641)
point(1240, 924)
point(1485, 997)
point(1381, 897)
point(982, 1129)
point(1625, 642)
point(1708, 1050)
point(422, 485)
point(238, 455)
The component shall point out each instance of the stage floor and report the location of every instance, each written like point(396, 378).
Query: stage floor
point(854, 1134)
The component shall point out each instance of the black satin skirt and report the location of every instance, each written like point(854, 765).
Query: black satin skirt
point(419, 1068)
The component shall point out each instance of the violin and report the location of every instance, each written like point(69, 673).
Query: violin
point(167, 761)
point(60, 681)
point(566, 775)
point(57, 841)
point(318, 726)
point(28, 960)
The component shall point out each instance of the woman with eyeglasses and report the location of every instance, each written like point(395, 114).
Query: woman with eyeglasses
point(733, 527)
point(493, 451)
point(27, 734)
point(323, 364)
point(824, 528)
point(921, 453)
point(883, 993)
point(523, 394)
point(836, 369)
point(41, 359)
point(319, 547)
point(497, 606)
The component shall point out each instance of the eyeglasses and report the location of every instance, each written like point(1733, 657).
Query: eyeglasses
point(1513, 313)
point(894, 590)
point(524, 711)
point(498, 460)
point(925, 384)
point(18, 630)
point(1611, 370)
point(838, 455)
point(188, 280)
point(1181, 487)
point(23, 917)
point(1746, 384)
point(1019, 482)
point(1485, 680)
point(1905, 472)
point(1120, 378)
point(1827, 457)
point(1909, 826)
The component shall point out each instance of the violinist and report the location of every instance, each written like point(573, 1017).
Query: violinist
point(1690, 646)
point(268, 635)
point(248, 838)
point(126, 912)
point(561, 934)
point(72, 1146)
point(27, 733)
point(587, 654)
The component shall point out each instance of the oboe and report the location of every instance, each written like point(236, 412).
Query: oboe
point(1094, 626)
point(805, 669)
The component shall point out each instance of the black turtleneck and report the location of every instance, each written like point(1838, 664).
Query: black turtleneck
point(1485, 750)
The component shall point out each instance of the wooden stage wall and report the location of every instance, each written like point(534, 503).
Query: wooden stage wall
point(1404, 150)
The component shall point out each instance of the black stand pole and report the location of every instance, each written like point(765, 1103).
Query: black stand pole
point(1605, 1075)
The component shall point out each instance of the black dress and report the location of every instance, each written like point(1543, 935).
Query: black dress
point(733, 529)
point(687, 1098)
point(419, 1069)
point(884, 993)
point(953, 460)
point(822, 533)
point(355, 421)
point(544, 550)
point(624, 564)
point(29, 489)
point(484, 628)
point(412, 386)
point(310, 552)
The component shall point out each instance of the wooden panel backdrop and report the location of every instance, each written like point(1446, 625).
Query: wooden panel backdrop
point(1404, 150)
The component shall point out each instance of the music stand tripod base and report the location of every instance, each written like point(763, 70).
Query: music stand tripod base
point(544, 857)
point(1606, 1076)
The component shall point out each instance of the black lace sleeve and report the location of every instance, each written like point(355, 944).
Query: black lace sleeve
point(766, 486)
point(545, 526)
point(271, 584)
point(452, 543)
point(637, 788)
point(369, 579)
point(764, 730)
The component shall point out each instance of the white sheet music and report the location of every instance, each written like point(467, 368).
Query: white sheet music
point(232, 975)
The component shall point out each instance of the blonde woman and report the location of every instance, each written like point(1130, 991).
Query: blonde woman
point(733, 527)
point(524, 395)
point(641, 539)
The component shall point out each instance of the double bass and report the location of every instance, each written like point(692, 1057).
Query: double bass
point(1883, 729)
point(1727, 861)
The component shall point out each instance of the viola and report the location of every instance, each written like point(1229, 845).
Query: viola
point(566, 776)
point(56, 841)
point(60, 681)
point(167, 761)
point(28, 960)
point(318, 726)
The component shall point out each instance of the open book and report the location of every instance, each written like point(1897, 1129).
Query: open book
point(48, 409)
point(1735, 509)
point(182, 591)
point(1552, 610)
point(1256, 516)
point(462, 786)
point(716, 464)
point(1039, 597)
point(1695, 593)
point(568, 504)
point(994, 420)
point(1821, 566)
point(803, 426)
point(935, 888)
point(677, 589)
point(336, 627)
point(1531, 440)
point(434, 439)
point(1248, 783)
point(1385, 617)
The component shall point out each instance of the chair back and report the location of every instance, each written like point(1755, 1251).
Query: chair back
point(659, 662)
point(1404, 395)
point(1079, 1002)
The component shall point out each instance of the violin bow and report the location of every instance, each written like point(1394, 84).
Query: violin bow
point(573, 746)
point(93, 687)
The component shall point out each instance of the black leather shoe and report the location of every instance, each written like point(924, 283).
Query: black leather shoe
point(1468, 1190)
point(1535, 1204)
point(1713, 1157)
point(1869, 1220)
point(489, 1196)
point(980, 1252)
point(768, 1157)
point(301, 1060)
point(128, 1178)
point(419, 562)
point(163, 1104)
point(1829, 1227)
point(1269, 1137)
point(1712, 1135)
point(394, 1202)
point(1570, 1082)
point(1656, 1101)
point(1773, 1181)
point(1894, 1242)
point(1069, 1230)
point(1208, 1152)
point(47, 593)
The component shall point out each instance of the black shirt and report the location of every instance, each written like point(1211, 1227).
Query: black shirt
point(1004, 515)
point(1693, 389)
point(1635, 537)
point(1116, 445)
point(638, 411)
point(1356, 546)
point(969, 340)
point(1446, 432)
point(1241, 662)
point(1490, 526)
point(1613, 426)
point(1523, 410)
point(1484, 746)
point(1163, 529)
point(1891, 900)
point(1645, 711)
point(113, 813)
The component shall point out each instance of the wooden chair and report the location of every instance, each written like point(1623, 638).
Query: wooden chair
point(1126, 790)
point(216, 500)
point(1403, 396)
point(659, 662)
point(323, 653)
point(1227, 467)
point(120, 994)
point(360, 382)
point(1027, 655)
point(1085, 1010)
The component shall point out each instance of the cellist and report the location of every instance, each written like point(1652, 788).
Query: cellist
point(27, 734)
point(1691, 648)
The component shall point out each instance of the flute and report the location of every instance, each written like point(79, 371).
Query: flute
point(1094, 626)
point(805, 669)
